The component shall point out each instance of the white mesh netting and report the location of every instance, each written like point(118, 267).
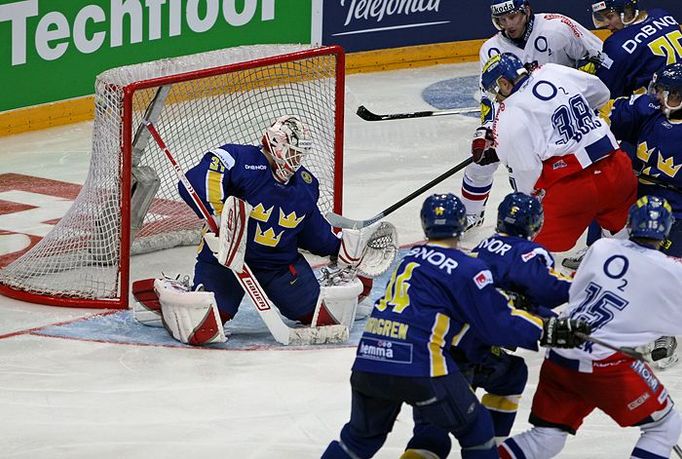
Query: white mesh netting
point(81, 256)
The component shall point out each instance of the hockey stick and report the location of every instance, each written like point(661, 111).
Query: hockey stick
point(340, 221)
point(282, 333)
point(678, 451)
point(630, 352)
point(656, 181)
point(364, 113)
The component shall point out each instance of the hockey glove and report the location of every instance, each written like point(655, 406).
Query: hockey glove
point(589, 64)
point(561, 332)
point(482, 147)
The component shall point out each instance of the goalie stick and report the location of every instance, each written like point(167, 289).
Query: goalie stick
point(340, 221)
point(364, 113)
point(656, 181)
point(282, 333)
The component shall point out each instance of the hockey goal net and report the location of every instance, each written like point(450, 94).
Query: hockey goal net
point(197, 103)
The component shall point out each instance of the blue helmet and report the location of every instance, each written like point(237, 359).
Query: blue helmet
point(520, 215)
point(502, 65)
point(626, 8)
point(650, 217)
point(667, 81)
point(443, 216)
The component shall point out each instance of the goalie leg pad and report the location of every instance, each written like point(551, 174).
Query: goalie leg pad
point(338, 304)
point(146, 309)
point(190, 317)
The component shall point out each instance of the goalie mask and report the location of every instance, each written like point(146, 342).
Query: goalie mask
point(287, 141)
point(666, 86)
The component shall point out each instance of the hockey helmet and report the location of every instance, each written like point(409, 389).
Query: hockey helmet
point(505, 65)
point(520, 215)
point(499, 8)
point(443, 216)
point(287, 141)
point(628, 10)
point(666, 83)
point(650, 218)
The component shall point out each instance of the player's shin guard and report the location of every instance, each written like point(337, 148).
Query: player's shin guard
point(476, 185)
point(536, 443)
point(477, 441)
point(658, 438)
point(503, 410)
point(337, 450)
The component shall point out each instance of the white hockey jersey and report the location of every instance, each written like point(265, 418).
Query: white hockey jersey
point(552, 114)
point(554, 39)
point(629, 294)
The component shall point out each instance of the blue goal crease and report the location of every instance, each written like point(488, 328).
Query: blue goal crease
point(245, 332)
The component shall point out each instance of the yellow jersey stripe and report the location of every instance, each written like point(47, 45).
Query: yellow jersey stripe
point(436, 344)
point(458, 337)
point(505, 404)
point(532, 318)
point(214, 191)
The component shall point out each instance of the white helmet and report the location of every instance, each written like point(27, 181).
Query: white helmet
point(288, 141)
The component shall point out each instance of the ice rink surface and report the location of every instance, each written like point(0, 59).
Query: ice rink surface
point(78, 394)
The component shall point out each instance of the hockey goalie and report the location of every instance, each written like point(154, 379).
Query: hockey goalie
point(265, 201)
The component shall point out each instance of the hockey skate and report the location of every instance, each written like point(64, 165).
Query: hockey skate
point(663, 354)
point(474, 221)
point(574, 261)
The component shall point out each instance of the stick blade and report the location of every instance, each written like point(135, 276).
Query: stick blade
point(328, 334)
point(366, 115)
point(339, 221)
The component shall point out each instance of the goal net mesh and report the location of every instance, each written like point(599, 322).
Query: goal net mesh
point(219, 97)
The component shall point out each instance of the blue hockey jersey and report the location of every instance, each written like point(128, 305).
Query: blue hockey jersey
point(524, 267)
point(435, 296)
point(635, 53)
point(639, 121)
point(284, 216)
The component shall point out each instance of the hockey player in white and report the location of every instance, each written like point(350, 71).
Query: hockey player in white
point(556, 148)
point(628, 291)
point(536, 39)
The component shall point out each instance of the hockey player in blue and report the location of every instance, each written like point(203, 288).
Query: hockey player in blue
point(653, 122)
point(524, 270)
point(435, 296)
point(284, 217)
point(642, 42)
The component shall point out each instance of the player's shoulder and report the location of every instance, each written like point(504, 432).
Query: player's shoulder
point(644, 104)
point(559, 24)
point(660, 13)
point(231, 154)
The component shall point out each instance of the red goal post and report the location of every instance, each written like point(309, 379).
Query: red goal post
point(129, 202)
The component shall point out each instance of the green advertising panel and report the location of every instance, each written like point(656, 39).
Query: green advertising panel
point(53, 49)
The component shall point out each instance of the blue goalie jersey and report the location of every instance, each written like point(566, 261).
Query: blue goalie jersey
point(524, 267)
point(435, 296)
point(639, 120)
point(284, 217)
point(635, 53)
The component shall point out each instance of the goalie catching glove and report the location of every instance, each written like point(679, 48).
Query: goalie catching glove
point(371, 250)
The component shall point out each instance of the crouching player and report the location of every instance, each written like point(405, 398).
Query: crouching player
point(628, 292)
point(524, 270)
point(269, 199)
point(436, 294)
